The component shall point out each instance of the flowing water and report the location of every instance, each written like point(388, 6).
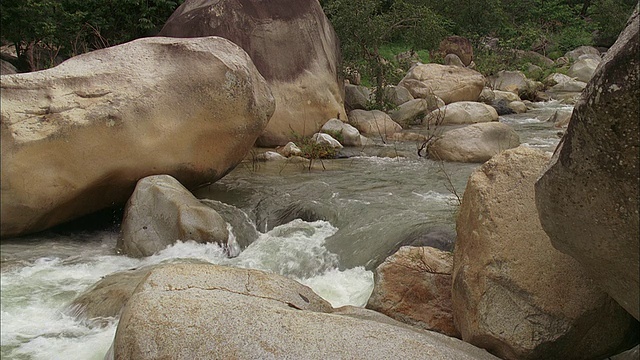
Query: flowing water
point(325, 228)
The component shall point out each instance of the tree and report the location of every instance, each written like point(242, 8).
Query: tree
point(70, 27)
point(363, 26)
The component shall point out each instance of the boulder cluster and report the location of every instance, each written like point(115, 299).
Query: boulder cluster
point(545, 265)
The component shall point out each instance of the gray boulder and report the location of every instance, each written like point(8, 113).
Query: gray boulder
point(349, 134)
point(292, 44)
point(474, 143)
point(588, 198)
point(513, 292)
point(357, 97)
point(162, 211)
point(208, 311)
point(76, 138)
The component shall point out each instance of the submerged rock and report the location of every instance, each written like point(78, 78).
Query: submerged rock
point(205, 311)
point(513, 293)
point(588, 198)
point(292, 44)
point(76, 138)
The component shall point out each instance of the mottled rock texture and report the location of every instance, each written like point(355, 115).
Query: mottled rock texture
point(292, 44)
point(514, 294)
point(76, 138)
point(588, 198)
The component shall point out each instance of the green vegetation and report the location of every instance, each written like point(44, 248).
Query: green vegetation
point(372, 32)
point(69, 27)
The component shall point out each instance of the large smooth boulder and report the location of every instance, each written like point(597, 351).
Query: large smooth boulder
point(588, 198)
point(450, 83)
point(162, 211)
point(6, 68)
point(514, 294)
point(373, 123)
point(292, 44)
point(463, 112)
point(414, 286)
point(191, 311)
point(474, 143)
point(583, 69)
point(76, 138)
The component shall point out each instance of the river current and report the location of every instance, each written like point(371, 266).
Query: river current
point(327, 228)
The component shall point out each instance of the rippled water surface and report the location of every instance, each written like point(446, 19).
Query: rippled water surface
point(325, 228)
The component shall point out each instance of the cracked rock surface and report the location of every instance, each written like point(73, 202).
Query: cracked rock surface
point(196, 311)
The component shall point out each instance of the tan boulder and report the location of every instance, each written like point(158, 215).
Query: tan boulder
point(463, 112)
point(474, 143)
point(292, 44)
point(373, 123)
point(412, 112)
point(397, 95)
point(76, 138)
point(517, 107)
point(588, 198)
point(505, 95)
point(162, 211)
point(487, 96)
point(513, 81)
point(450, 83)
point(414, 286)
point(560, 118)
point(513, 293)
point(208, 311)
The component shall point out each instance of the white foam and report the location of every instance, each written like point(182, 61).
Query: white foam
point(340, 288)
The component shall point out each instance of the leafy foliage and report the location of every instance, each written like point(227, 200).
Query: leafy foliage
point(70, 27)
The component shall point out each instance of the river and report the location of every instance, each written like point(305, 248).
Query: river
point(327, 228)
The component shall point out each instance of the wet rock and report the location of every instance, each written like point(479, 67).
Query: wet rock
point(292, 44)
point(588, 198)
point(502, 107)
point(414, 286)
point(450, 83)
point(513, 293)
point(162, 211)
point(76, 138)
point(474, 143)
point(193, 311)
